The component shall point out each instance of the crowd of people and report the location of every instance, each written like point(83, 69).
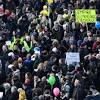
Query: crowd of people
point(35, 36)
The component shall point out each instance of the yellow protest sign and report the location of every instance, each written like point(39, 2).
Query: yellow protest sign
point(85, 15)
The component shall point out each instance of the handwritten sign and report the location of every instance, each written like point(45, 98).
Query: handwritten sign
point(85, 15)
point(72, 58)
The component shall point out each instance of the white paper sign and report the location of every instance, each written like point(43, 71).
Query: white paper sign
point(72, 58)
point(1, 95)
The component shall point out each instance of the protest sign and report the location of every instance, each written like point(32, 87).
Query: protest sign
point(72, 58)
point(85, 15)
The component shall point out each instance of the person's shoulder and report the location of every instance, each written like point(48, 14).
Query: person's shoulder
point(89, 98)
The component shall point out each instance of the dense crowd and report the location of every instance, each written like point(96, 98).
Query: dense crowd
point(35, 36)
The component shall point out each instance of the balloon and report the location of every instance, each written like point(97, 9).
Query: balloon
point(51, 80)
point(97, 24)
point(56, 91)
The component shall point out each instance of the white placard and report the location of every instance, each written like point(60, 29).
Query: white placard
point(72, 58)
point(1, 95)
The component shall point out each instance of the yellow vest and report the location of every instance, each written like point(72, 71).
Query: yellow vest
point(21, 40)
point(22, 95)
point(50, 1)
point(14, 39)
point(11, 46)
point(44, 12)
point(27, 47)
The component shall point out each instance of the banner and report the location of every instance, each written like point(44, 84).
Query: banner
point(85, 15)
point(72, 58)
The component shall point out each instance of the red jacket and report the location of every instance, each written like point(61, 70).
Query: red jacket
point(95, 45)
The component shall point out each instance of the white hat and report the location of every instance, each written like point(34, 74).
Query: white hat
point(6, 86)
point(8, 43)
point(64, 26)
point(37, 50)
point(27, 37)
point(10, 66)
point(10, 54)
point(92, 0)
point(13, 89)
point(54, 50)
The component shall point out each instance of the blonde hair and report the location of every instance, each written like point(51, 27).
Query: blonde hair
point(40, 66)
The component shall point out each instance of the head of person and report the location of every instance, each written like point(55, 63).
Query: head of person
point(28, 56)
point(28, 75)
point(89, 34)
point(40, 66)
point(45, 7)
point(0, 1)
point(76, 83)
point(72, 46)
point(65, 27)
point(43, 79)
point(22, 95)
point(15, 67)
point(61, 61)
point(9, 0)
point(55, 43)
point(20, 61)
point(41, 97)
point(4, 48)
point(13, 89)
point(28, 78)
point(98, 39)
point(90, 38)
point(6, 86)
point(7, 12)
point(27, 38)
